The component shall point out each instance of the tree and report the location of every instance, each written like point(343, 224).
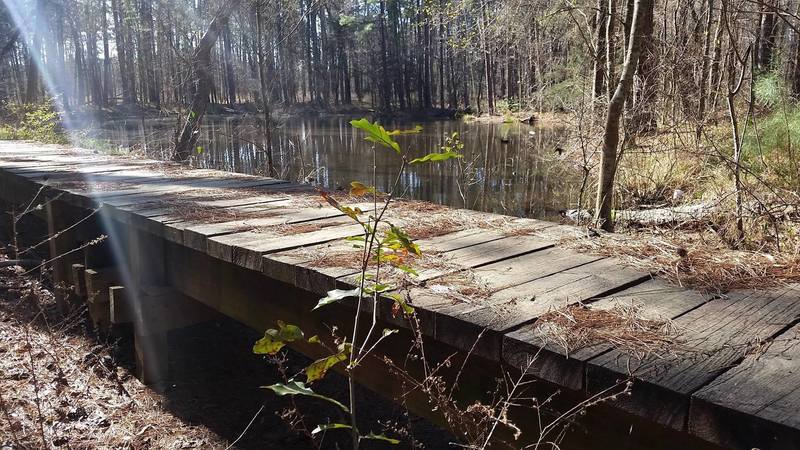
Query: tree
point(642, 12)
point(203, 80)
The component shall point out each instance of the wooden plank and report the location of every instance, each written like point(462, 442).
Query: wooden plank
point(196, 236)
point(324, 267)
point(495, 250)
point(121, 305)
point(170, 218)
point(175, 185)
point(756, 403)
point(521, 303)
point(712, 338)
point(157, 191)
point(246, 249)
point(61, 171)
point(559, 362)
point(469, 291)
point(98, 283)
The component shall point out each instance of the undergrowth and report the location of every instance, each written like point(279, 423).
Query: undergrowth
point(34, 122)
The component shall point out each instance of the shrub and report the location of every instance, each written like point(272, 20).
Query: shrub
point(36, 122)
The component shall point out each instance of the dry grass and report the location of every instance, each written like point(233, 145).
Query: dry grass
point(64, 389)
point(621, 327)
point(345, 258)
point(427, 220)
point(695, 259)
point(301, 228)
point(460, 287)
point(95, 186)
point(194, 212)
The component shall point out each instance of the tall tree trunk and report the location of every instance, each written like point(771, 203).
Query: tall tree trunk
point(201, 62)
point(265, 96)
point(646, 79)
point(701, 108)
point(385, 94)
point(599, 57)
point(714, 70)
point(610, 44)
point(148, 52)
point(230, 75)
point(765, 43)
point(31, 72)
point(120, 41)
point(487, 61)
point(608, 163)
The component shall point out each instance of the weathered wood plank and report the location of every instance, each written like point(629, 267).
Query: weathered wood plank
point(324, 267)
point(468, 292)
point(519, 303)
point(196, 236)
point(558, 362)
point(755, 404)
point(247, 248)
point(712, 338)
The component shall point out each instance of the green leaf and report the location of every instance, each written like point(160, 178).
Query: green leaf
point(380, 437)
point(317, 370)
point(267, 345)
point(199, 149)
point(351, 212)
point(401, 303)
point(407, 269)
point(389, 331)
point(294, 387)
point(417, 129)
point(274, 340)
point(288, 332)
point(405, 240)
point(379, 287)
point(358, 189)
point(314, 340)
point(336, 295)
point(436, 157)
point(376, 134)
point(329, 426)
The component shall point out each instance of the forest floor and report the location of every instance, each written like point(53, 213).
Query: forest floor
point(62, 386)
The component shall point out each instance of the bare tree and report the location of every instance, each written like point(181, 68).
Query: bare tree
point(203, 80)
point(643, 9)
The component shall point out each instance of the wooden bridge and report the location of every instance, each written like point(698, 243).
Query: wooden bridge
point(190, 243)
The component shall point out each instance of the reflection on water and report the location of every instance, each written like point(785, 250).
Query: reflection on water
point(521, 177)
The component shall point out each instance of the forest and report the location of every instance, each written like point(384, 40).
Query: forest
point(725, 72)
point(456, 55)
point(479, 224)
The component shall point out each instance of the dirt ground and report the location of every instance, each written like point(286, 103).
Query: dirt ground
point(61, 386)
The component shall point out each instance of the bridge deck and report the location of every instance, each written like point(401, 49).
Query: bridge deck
point(733, 379)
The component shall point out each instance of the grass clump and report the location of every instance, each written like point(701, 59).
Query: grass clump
point(35, 122)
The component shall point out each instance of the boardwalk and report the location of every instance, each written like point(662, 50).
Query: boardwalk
point(733, 378)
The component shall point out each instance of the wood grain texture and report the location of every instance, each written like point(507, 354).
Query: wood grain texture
point(757, 402)
point(711, 339)
point(562, 363)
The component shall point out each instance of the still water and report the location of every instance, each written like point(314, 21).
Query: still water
point(522, 174)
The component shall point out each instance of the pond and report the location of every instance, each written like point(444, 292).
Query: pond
point(514, 169)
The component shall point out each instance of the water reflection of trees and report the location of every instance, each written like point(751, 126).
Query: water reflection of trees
point(524, 177)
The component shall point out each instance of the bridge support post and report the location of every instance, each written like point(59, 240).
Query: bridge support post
point(97, 283)
point(146, 259)
point(59, 245)
point(154, 308)
point(160, 310)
